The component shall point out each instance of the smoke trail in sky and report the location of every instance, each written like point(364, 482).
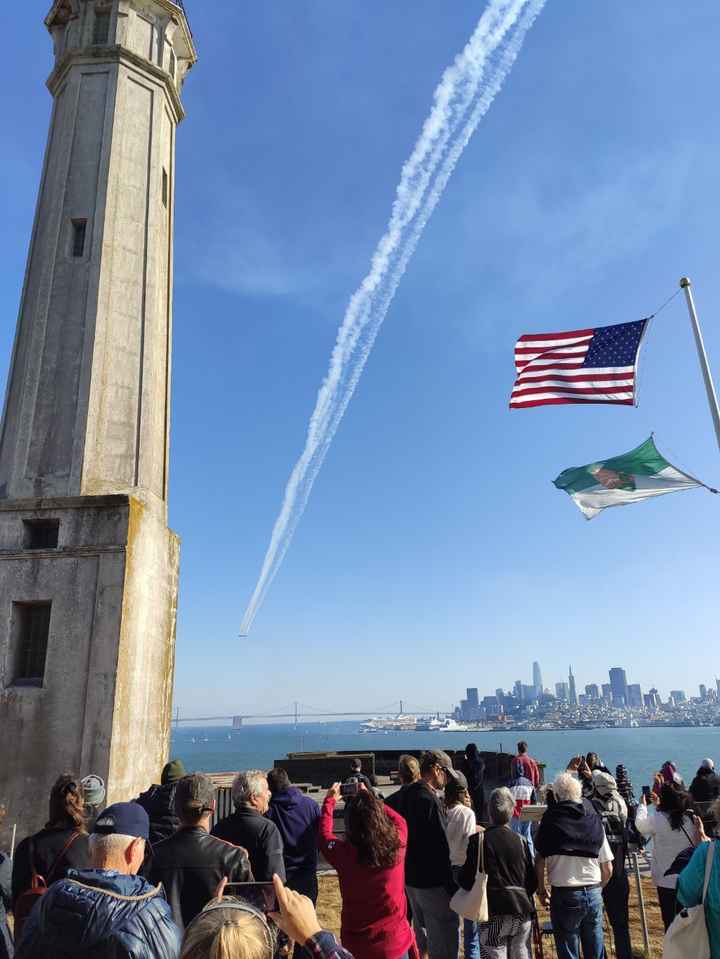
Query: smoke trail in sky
point(462, 98)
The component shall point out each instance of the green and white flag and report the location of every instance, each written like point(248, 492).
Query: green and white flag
point(629, 478)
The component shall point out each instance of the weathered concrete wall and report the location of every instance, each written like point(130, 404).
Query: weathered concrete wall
point(104, 706)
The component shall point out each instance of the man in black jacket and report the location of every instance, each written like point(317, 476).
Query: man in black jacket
point(428, 873)
point(248, 827)
point(159, 802)
point(192, 863)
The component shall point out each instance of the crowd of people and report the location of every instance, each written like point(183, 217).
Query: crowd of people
point(161, 878)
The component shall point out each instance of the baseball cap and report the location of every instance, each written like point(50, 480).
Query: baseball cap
point(123, 819)
point(194, 795)
point(436, 757)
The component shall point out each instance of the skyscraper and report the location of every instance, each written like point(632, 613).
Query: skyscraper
point(572, 692)
point(537, 679)
point(561, 692)
point(592, 691)
point(618, 685)
point(634, 696)
point(472, 697)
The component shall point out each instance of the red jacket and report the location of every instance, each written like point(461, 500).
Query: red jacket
point(374, 910)
point(530, 769)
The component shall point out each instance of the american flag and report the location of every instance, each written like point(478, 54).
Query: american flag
point(583, 366)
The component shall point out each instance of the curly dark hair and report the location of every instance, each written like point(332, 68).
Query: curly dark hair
point(67, 805)
point(371, 831)
point(676, 803)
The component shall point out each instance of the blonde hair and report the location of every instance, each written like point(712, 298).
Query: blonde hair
point(227, 933)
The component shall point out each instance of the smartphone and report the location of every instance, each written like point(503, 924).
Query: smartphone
point(262, 895)
point(349, 789)
point(646, 790)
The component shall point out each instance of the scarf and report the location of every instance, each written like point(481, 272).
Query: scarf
point(570, 829)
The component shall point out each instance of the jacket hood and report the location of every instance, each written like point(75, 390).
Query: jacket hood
point(603, 783)
point(574, 810)
point(84, 908)
point(288, 799)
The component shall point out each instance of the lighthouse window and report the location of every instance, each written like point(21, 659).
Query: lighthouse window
point(31, 625)
point(79, 232)
point(41, 533)
point(101, 27)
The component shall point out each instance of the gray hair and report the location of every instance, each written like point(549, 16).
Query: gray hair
point(500, 806)
point(567, 788)
point(108, 848)
point(246, 785)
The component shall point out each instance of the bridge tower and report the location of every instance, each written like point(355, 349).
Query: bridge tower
point(88, 566)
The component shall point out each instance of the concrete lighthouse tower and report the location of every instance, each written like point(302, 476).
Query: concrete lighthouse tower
point(88, 566)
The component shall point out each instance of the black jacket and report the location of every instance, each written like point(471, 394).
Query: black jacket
point(246, 827)
point(427, 861)
point(509, 868)
point(190, 865)
point(159, 803)
point(47, 846)
point(705, 786)
point(99, 914)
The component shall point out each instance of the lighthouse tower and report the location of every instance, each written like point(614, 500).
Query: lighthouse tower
point(88, 566)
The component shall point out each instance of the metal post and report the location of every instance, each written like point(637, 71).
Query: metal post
point(702, 356)
point(641, 905)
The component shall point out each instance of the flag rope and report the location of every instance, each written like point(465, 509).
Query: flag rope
point(661, 308)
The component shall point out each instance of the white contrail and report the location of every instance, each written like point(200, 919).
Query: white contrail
point(462, 98)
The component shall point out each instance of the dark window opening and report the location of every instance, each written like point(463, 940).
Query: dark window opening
point(101, 27)
point(165, 187)
point(173, 62)
point(41, 533)
point(32, 630)
point(79, 232)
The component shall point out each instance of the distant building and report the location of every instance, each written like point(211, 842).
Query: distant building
point(561, 692)
point(618, 685)
point(607, 692)
point(634, 696)
point(655, 697)
point(703, 692)
point(530, 694)
point(518, 691)
point(583, 699)
point(592, 692)
point(649, 701)
point(678, 696)
point(537, 679)
point(472, 697)
point(572, 692)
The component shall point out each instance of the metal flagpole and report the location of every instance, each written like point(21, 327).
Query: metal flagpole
point(702, 356)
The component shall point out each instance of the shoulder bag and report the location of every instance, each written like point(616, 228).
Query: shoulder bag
point(687, 937)
point(38, 886)
point(473, 903)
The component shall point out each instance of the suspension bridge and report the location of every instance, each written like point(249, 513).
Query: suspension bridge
point(297, 712)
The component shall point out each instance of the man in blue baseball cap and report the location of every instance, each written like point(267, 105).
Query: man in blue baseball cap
point(106, 910)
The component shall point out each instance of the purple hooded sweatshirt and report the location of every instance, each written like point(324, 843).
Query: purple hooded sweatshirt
point(296, 816)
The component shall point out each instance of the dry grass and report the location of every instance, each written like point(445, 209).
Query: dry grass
point(329, 905)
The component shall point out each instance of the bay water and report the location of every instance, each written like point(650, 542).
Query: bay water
point(642, 751)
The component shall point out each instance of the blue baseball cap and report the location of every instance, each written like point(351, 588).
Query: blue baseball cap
point(123, 819)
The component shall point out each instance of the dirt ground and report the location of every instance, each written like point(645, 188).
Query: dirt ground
point(330, 904)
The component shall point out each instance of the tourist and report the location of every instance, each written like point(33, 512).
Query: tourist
point(672, 828)
point(50, 853)
point(571, 844)
point(691, 882)
point(428, 872)
point(191, 863)
point(511, 882)
point(159, 802)
point(461, 826)
point(473, 767)
point(93, 789)
point(370, 863)
point(408, 773)
point(612, 809)
point(296, 817)
point(248, 827)
point(705, 787)
point(668, 775)
point(106, 909)
point(6, 942)
point(523, 793)
point(356, 773)
point(230, 928)
point(530, 768)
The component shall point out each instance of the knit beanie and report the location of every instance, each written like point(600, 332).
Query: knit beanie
point(93, 790)
point(173, 771)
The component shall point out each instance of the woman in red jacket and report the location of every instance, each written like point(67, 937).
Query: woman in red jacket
point(370, 864)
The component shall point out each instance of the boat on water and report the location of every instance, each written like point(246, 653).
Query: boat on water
point(406, 723)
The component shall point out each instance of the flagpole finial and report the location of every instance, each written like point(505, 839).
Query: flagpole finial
point(685, 282)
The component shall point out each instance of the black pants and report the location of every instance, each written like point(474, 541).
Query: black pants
point(615, 900)
point(666, 898)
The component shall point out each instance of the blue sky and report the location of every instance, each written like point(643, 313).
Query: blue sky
point(435, 553)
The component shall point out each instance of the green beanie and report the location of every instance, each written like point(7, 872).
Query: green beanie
point(173, 771)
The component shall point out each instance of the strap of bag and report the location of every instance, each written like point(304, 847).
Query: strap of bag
point(691, 841)
point(708, 869)
point(481, 852)
point(60, 856)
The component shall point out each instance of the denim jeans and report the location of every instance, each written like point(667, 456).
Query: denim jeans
point(437, 927)
point(471, 939)
point(577, 919)
point(523, 829)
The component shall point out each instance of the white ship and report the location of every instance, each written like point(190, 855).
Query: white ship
point(406, 723)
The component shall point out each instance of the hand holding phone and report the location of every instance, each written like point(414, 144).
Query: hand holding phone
point(262, 895)
point(296, 915)
point(348, 790)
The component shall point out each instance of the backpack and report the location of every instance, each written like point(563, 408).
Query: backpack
point(38, 886)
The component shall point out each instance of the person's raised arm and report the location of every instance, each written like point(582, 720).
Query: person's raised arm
point(327, 840)
point(645, 824)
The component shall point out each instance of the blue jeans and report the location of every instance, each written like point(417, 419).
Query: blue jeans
point(471, 939)
point(577, 919)
point(523, 829)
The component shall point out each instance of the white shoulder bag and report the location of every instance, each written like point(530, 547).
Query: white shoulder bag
point(472, 903)
point(687, 937)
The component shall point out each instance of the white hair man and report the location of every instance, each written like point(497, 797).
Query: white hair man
point(248, 827)
point(106, 910)
point(572, 846)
